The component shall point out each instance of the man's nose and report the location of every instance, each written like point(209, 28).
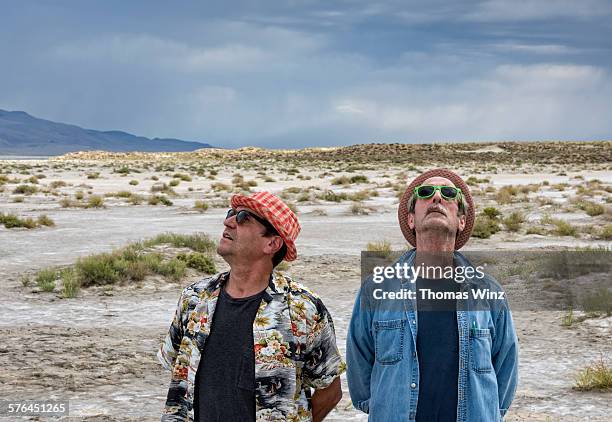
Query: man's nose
point(230, 222)
point(437, 197)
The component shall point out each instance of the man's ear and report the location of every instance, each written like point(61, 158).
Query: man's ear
point(461, 225)
point(273, 245)
point(411, 221)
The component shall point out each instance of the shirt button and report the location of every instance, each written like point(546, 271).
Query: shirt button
point(413, 385)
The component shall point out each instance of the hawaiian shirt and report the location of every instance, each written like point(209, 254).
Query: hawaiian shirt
point(294, 343)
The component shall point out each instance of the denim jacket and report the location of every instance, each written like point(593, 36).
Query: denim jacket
point(383, 368)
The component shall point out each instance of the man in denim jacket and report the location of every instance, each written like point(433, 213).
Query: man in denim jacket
point(407, 364)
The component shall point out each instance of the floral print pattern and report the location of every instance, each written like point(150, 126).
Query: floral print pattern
point(294, 343)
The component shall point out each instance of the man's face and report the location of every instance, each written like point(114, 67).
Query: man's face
point(436, 213)
point(244, 241)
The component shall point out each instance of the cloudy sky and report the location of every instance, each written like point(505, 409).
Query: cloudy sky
point(301, 73)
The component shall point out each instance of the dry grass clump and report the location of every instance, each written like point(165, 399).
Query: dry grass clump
point(606, 232)
point(200, 206)
point(25, 190)
point(134, 182)
point(563, 228)
point(591, 208)
point(486, 224)
point(198, 261)
point(94, 175)
point(160, 199)
point(219, 187)
point(597, 376)
point(163, 188)
point(95, 201)
point(381, 247)
point(11, 221)
point(514, 221)
point(357, 208)
point(182, 176)
point(345, 180)
point(57, 184)
point(46, 278)
point(331, 196)
point(18, 199)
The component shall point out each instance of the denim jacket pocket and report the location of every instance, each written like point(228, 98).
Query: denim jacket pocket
point(389, 341)
point(480, 344)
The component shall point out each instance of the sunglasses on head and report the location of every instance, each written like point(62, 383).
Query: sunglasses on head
point(427, 191)
point(244, 215)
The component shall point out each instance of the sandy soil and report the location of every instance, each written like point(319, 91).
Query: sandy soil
point(99, 349)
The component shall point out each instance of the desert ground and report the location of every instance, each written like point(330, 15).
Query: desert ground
point(68, 333)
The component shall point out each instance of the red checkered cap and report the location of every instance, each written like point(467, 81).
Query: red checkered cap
point(277, 213)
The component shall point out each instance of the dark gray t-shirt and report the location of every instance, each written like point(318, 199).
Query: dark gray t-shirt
point(225, 380)
point(438, 353)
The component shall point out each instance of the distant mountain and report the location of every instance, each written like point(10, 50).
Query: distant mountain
point(22, 134)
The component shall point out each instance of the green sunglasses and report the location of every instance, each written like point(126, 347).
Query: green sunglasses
point(427, 191)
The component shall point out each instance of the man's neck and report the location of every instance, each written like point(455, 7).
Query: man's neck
point(247, 280)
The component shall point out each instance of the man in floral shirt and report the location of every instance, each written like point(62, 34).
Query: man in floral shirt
point(272, 341)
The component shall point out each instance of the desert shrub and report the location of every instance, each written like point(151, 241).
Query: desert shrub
point(79, 195)
point(200, 206)
point(70, 283)
point(330, 195)
point(199, 262)
point(97, 270)
point(25, 190)
point(173, 269)
point(269, 179)
point(33, 180)
point(135, 199)
point(18, 199)
point(514, 221)
point(174, 182)
point(123, 170)
point(12, 221)
point(606, 232)
point(45, 279)
point(597, 376)
point(183, 177)
point(381, 247)
point(359, 178)
point(563, 228)
point(591, 208)
point(45, 220)
point(491, 212)
point(157, 199)
point(342, 180)
point(292, 189)
point(57, 184)
point(198, 242)
point(485, 227)
point(94, 175)
point(134, 182)
point(358, 208)
point(506, 194)
point(95, 201)
point(163, 188)
point(154, 178)
point(303, 197)
point(218, 187)
point(536, 230)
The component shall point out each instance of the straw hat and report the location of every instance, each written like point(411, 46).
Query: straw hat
point(402, 211)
